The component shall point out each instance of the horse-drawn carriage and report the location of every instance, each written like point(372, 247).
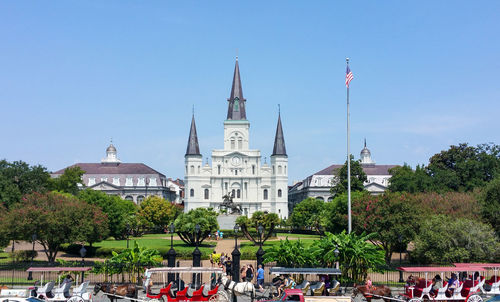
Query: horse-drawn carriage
point(176, 291)
point(467, 289)
point(306, 290)
point(47, 291)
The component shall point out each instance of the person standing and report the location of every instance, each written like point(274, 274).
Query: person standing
point(229, 270)
point(243, 273)
point(249, 273)
point(260, 278)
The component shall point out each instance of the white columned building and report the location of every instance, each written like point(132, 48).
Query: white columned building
point(236, 169)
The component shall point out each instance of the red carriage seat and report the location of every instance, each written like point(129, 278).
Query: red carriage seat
point(198, 294)
point(182, 294)
point(163, 292)
point(210, 293)
point(492, 280)
point(466, 287)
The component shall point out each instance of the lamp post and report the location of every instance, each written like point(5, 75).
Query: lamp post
point(33, 239)
point(83, 252)
point(260, 251)
point(13, 267)
point(171, 253)
point(236, 255)
point(196, 252)
point(400, 240)
point(336, 252)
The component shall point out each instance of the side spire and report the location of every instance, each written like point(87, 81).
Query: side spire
point(193, 148)
point(279, 140)
point(236, 107)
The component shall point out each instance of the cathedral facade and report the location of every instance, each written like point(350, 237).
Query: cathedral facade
point(236, 170)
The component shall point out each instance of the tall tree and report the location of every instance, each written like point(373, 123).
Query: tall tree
point(56, 219)
point(68, 182)
point(334, 216)
point(158, 212)
point(405, 179)
point(464, 167)
point(391, 216)
point(185, 225)
point(490, 204)
point(19, 178)
point(307, 214)
point(118, 210)
point(267, 220)
point(358, 177)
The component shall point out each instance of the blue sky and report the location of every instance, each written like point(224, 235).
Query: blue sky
point(74, 74)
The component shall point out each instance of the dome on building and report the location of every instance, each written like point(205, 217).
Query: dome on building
point(366, 156)
point(111, 148)
point(110, 155)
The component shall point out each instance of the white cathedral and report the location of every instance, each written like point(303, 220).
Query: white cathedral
point(236, 169)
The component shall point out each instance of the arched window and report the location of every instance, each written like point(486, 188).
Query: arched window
point(279, 193)
point(280, 170)
point(238, 193)
point(186, 169)
point(191, 193)
point(140, 198)
point(330, 198)
point(240, 143)
point(130, 198)
point(285, 169)
point(199, 169)
point(265, 194)
point(235, 172)
point(273, 169)
point(192, 169)
point(320, 198)
point(206, 193)
point(253, 169)
point(232, 144)
point(233, 193)
point(218, 169)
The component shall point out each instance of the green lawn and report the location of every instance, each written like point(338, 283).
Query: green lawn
point(157, 241)
point(248, 247)
point(293, 235)
point(4, 257)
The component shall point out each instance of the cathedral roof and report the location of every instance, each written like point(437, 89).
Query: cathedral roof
point(193, 148)
point(119, 168)
point(279, 140)
point(236, 107)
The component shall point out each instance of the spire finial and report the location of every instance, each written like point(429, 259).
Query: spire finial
point(111, 140)
point(279, 109)
point(236, 54)
point(365, 142)
point(193, 109)
point(347, 60)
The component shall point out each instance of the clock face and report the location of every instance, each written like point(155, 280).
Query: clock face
point(236, 160)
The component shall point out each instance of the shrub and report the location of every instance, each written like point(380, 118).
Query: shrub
point(23, 256)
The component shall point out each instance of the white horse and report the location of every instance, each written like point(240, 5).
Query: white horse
point(238, 289)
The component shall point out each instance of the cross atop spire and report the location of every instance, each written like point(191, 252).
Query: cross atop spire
point(193, 148)
point(236, 107)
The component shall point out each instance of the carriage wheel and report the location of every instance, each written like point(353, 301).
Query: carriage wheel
point(155, 300)
point(221, 296)
point(76, 299)
point(415, 300)
point(475, 298)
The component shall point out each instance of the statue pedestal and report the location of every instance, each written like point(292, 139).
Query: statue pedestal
point(227, 222)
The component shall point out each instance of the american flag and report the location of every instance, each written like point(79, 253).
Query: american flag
point(348, 76)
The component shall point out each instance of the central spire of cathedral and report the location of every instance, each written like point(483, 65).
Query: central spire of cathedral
point(236, 107)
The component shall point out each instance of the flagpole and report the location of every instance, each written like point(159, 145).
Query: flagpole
point(349, 218)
